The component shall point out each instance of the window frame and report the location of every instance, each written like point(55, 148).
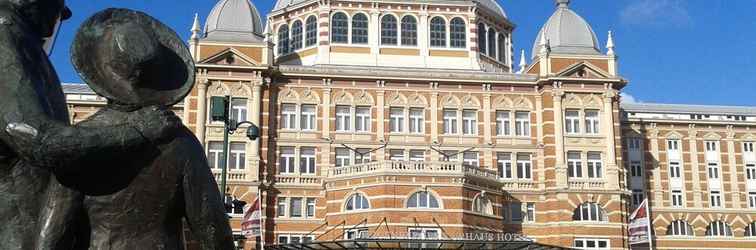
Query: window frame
point(592, 123)
point(572, 121)
point(429, 198)
point(356, 202)
point(524, 167)
point(339, 29)
point(290, 161)
point(437, 38)
point(522, 125)
point(469, 123)
point(362, 121)
point(677, 198)
point(307, 121)
point(574, 164)
point(311, 31)
point(504, 165)
point(408, 31)
point(396, 119)
point(595, 166)
point(450, 122)
point(455, 41)
point(416, 121)
point(503, 126)
point(237, 158)
point(389, 30)
point(296, 39)
point(308, 162)
point(282, 39)
point(360, 33)
point(343, 118)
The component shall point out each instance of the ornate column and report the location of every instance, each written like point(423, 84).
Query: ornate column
point(658, 192)
point(694, 165)
point(612, 171)
point(487, 137)
point(202, 109)
point(434, 113)
point(541, 161)
point(326, 108)
point(560, 168)
point(735, 190)
point(380, 131)
point(257, 85)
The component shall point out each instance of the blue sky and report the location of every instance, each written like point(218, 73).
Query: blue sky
point(671, 51)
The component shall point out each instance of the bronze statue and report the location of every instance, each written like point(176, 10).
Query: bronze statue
point(139, 200)
point(36, 138)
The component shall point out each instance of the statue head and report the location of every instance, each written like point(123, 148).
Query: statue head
point(43, 16)
point(132, 59)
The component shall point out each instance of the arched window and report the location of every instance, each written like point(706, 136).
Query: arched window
point(409, 31)
point(750, 230)
point(311, 36)
point(422, 199)
point(457, 33)
point(388, 30)
point(482, 38)
point(503, 48)
point(482, 205)
point(680, 228)
point(359, 29)
point(283, 39)
point(438, 32)
point(296, 35)
point(718, 228)
point(589, 211)
point(339, 28)
point(492, 43)
point(357, 202)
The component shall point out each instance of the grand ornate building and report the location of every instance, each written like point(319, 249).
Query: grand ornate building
point(406, 124)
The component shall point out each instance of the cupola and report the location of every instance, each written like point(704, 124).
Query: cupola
point(234, 21)
point(567, 33)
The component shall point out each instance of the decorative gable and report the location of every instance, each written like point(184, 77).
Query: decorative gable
point(230, 56)
point(583, 69)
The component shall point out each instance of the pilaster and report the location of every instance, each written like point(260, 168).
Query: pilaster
point(658, 192)
point(612, 170)
point(201, 109)
point(487, 124)
point(734, 188)
point(434, 113)
point(560, 168)
point(326, 109)
point(380, 119)
point(694, 165)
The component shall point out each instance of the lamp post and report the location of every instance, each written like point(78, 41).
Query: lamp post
point(220, 112)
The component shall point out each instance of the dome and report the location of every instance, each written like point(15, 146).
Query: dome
point(567, 33)
point(493, 6)
point(280, 4)
point(234, 21)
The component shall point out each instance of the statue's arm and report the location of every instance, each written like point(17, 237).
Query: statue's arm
point(203, 206)
point(27, 129)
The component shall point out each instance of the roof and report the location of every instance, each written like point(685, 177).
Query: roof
point(234, 21)
point(492, 5)
point(567, 33)
point(688, 109)
point(76, 88)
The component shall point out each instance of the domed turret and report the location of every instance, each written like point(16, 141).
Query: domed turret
point(493, 6)
point(567, 33)
point(234, 21)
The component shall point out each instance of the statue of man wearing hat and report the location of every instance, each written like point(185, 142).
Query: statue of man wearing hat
point(133, 60)
point(36, 139)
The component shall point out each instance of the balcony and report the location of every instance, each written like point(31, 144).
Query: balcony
point(298, 180)
point(515, 185)
point(231, 175)
point(587, 184)
point(454, 169)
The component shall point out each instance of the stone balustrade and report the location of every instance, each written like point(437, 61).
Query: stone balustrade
point(230, 175)
point(587, 184)
point(413, 168)
point(298, 180)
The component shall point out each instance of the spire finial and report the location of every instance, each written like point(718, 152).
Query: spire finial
point(563, 3)
point(610, 44)
point(523, 64)
point(196, 27)
point(544, 44)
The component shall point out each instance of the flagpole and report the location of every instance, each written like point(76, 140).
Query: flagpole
point(262, 218)
point(650, 222)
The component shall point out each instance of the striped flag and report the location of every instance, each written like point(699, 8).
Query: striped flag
point(252, 219)
point(639, 228)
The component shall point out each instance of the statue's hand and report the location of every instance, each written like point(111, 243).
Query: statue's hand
point(155, 123)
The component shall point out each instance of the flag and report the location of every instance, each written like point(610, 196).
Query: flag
point(252, 219)
point(639, 228)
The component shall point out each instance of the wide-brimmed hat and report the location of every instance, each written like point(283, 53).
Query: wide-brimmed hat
point(133, 59)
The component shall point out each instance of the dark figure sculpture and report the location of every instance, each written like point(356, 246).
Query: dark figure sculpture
point(35, 136)
point(138, 203)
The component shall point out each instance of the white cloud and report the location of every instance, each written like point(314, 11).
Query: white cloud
point(656, 13)
point(627, 98)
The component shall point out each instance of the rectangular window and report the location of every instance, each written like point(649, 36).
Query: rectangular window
point(530, 212)
point(574, 165)
point(362, 119)
point(591, 244)
point(591, 122)
point(522, 123)
point(286, 164)
point(633, 144)
point(470, 122)
point(239, 109)
point(677, 198)
point(343, 118)
point(426, 234)
point(310, 207)
point(237, 155)
point(713, 169)
point(396, 155)
point(594, 165)
point(450, 155)
point(307, 160)
point(342, 157)
point(751, 171)
point(417, 155)
point(748, 147)
point(363, 157)
point(281, 209)
point(673, 145)
point(752, 199)
point(504, 164)
point(715, 199)
point(503, 123)
point(516, 209)
point(357, 233)
point(674, 170)
point(524, 166)
point(214, 153)
point(470, 158)
point(283, 239)
point(636, 169)
point(396, 121)
point(296, 207)
point(417, 120)
point(572, 121)
point(637, 197)
point(450, 122)
point(288, 116)
point(711, 146)
point(308, 117)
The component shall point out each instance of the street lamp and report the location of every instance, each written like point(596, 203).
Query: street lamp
point(220, 107)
